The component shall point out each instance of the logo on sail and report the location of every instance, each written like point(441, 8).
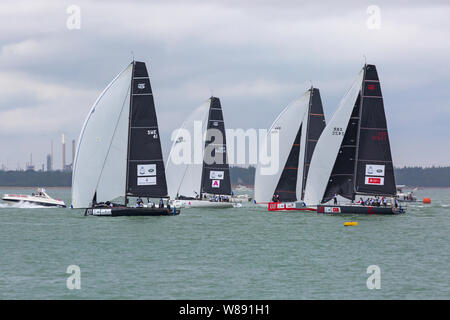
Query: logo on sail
point(216, 175)
point(375, 170)
point(375, 181)
point(215, 184)
point(146, 174)
point(146, 181)
point(141, 85)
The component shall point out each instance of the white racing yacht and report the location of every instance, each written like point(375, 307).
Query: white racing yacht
point(39, 198)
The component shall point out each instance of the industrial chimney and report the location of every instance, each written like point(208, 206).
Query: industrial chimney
point(73, 152)
point(63, 152)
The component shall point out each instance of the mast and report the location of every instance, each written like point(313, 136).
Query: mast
point(305, 173)
point(358, 132)
point(129, 129)
point(206, 144)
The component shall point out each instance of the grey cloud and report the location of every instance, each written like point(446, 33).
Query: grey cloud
point(257, 56)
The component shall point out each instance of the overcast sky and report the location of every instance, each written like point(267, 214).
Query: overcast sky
point(257, 56)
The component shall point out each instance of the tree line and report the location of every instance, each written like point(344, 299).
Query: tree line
point(410, 176)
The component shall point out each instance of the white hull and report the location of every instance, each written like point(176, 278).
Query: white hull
point(38, 200)
point(201, 204)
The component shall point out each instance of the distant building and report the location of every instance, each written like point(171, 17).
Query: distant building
point(49, 163)
point(30, 165)
point(73, 151)
point(63, 152)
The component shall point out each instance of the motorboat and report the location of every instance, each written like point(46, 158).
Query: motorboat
point(241, 198)
point(39, 198)
point(404, 196)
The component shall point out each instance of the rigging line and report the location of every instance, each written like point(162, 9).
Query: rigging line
point(112, 138)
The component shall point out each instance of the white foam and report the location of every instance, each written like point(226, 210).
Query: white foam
point(21, 205)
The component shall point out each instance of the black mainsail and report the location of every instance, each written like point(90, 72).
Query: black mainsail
point(215, 172)
point(364, 162)
point(374, 172)
point(145, 166)
point(315, 126)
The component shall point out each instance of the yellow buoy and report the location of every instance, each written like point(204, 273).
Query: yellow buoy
point(351, 223)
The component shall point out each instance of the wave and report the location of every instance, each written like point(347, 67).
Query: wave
point(21, 205)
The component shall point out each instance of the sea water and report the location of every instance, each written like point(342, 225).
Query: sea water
point(236, 253)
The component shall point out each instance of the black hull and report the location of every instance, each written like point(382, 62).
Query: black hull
point(337, 209)
point(37, 203)
point(131, 212)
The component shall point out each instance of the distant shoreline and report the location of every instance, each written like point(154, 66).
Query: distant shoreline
point(430, 177)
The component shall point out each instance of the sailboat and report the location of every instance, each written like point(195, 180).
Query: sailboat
point(202, 179)
point(299, 126)
point(119, 151)
point(353, 155)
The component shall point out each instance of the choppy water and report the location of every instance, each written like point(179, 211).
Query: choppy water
point(239, 253)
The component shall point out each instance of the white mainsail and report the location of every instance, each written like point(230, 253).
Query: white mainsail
point(287, 125)
point(100, 159)
point(327, 147)
point(184, 177)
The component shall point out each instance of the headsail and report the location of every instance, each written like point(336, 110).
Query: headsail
point(184, 166)
point(145, 164)
point(100, 160)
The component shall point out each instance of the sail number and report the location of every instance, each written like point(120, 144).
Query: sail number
point(337, 131)
point(153, 133)
point(380, 136)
